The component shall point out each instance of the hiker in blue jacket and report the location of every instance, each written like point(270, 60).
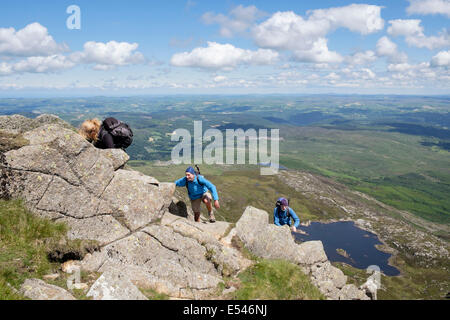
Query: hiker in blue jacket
point(282, 214)
point(197, 187)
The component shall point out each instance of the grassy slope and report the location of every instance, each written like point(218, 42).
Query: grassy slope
point(392, 167)
point(24, 244)
point(276, 280)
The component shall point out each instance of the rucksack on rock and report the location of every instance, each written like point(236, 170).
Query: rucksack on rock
point(122, 133)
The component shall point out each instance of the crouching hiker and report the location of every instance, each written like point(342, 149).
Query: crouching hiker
point(197, 187)
point(282, 214)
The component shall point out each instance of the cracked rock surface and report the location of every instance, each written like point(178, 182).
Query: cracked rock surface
point(146, 238)
point(63, 177)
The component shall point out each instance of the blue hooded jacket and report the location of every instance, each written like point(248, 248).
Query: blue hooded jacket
point(281, 217)
point(196, 189)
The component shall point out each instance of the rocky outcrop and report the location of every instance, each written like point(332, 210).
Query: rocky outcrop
point(269, 241)
point(146, 238)
point(19, 124)
point(63, 177)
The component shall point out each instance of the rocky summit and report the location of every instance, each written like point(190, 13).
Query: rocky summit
point(146, 237)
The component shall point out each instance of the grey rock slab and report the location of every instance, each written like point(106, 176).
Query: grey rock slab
point(16, 123)
point(36, 289)
point(104, 229)
point(68, 200)
point(351, 292)
point(42, 159)
point(134, 196)
point(275, 242)
point(118, 157)
point(30, 186)
point(311, 252)
point(49, 132)
point(165, 259)
point(114, 285)
point(327, 272)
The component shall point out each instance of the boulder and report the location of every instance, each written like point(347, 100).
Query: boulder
point(160, 258)
point(114, 285)
point(326, 272)
point(18, 124)
point(274, 242)
point(351, 292)
point(63, 177)
point(36, 289)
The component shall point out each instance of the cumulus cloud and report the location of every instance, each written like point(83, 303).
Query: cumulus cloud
point(442, 59)
point(220, 78)
point(386, 48)
point(429, 7)
point(33, 40)
point(48, 64)
point(108, 55)
point(362, 57)
point(319, 53)
point(414, 36)
point(306, 36)
point(220, 56)
point(360, 18)
point(239, 20)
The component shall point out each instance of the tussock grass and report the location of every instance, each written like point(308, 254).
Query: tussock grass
point(276, 280)
point(31, 247)
point(25, 241)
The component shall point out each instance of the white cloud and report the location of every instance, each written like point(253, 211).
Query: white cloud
point(429, 7)
point(400, 67)
point(48, 64)
point(362, 57)
point(442, 59)
point(414, 36)
point(306, 36)
point(386, 48)
point(33, 40)
point(319, 53)
point(240, 19)
point(5, 69)
point(360, 18)
point(220, 56)
point(332, 76)
point(368, 74)
point(106, 56)
point(220, 78)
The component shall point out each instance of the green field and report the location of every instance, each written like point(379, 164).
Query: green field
point(394, 148)
point(394, 168)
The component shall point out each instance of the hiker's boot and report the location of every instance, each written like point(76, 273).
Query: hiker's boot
point(212, 219)
point(197, 216)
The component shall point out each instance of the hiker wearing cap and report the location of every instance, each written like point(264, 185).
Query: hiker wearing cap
point(197, 187)
point(282, 214)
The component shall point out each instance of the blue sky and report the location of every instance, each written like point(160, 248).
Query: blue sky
point(210, 47)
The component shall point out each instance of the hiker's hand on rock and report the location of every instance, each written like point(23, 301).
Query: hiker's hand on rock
point(294, 229)
point(216, 204)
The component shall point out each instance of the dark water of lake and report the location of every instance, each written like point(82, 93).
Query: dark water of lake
point(358, 243)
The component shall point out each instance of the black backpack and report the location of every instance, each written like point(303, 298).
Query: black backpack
point(121, 132)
